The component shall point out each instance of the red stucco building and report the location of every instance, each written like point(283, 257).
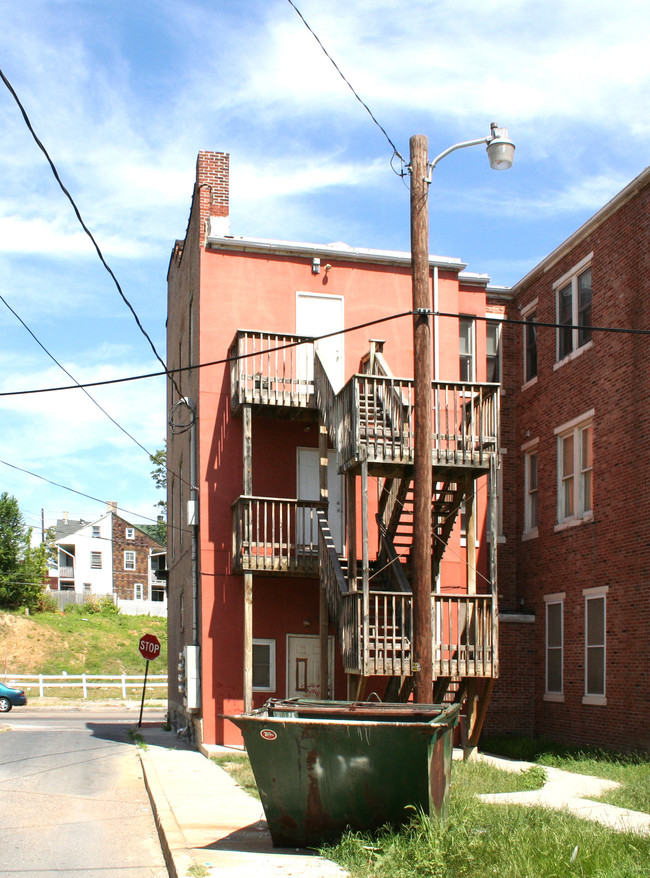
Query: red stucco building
point(286, 547)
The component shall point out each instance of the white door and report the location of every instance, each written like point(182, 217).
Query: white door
point(309, 489)
point(317, 315)
point(303, 666)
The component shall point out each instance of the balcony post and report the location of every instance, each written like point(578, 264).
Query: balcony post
point(323, 615)
point(247, 439)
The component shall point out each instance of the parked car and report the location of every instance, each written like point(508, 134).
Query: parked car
point(10, 698)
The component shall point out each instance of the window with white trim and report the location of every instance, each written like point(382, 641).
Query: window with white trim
point(554, 685)
point(595, 635)
point(137, 591)
point(129, 533)
point(531, 491)
point(493, 350)
point(573, 309)
point(466, 348)
point(575, 472)
point(129, 560)
point(96, 531)
point(96, 560)
point(263, 665)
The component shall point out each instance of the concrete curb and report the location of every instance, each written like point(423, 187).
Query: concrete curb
point(172, 839)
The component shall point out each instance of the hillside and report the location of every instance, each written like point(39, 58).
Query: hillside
point(51, 643)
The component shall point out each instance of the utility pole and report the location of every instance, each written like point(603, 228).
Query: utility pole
point(423, 478)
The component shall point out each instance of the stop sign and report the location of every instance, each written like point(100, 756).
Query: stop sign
point(149, 646)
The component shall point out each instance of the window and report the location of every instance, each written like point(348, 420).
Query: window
point(96, 560)
point(158, 593)
point(264, 665)
point(87, 588)
point(530, 346)
point(493, 346)
point(129, 560)
point(531, 493)
point(573, 308)
point(595, 627)
point(137, 591)
point(554, 647)
point(466, 331)
point(130, 533)
point(96, 532)
point(575, 466)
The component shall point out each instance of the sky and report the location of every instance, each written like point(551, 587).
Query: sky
point(123, 95)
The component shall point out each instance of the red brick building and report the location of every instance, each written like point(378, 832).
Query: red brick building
point(575, 479)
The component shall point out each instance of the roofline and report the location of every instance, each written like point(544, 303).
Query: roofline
point(337, 251)
point(605, 212)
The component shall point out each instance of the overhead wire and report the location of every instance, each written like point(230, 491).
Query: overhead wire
point(71, 376)
point(351, 87)
point(85, 227)
point(493, 318)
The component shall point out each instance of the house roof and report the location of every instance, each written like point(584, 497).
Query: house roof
point(615, 204)
point(338, 250)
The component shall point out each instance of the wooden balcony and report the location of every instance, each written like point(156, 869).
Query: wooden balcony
point(371, 419)
point(272, 371)
point(465, 635)
point(66, 572)
point(274, 535)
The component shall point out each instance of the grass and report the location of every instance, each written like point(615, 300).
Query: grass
point(91, 643)
point(630, 770)
point(239, 768)
point(484, 841)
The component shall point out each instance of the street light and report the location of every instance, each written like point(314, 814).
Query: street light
point(500, 150)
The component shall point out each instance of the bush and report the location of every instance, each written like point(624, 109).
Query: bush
point(48, 604)
point(107, 606)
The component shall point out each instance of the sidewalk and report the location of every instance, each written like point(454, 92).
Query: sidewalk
point(575, 792)
point(205, 818)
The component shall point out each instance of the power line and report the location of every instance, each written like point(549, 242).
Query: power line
point(86, 229)
point(494, 318)
point(347, 82)
point(73, 490)
point(305, 339)
point(69, 374)
point(82, 387)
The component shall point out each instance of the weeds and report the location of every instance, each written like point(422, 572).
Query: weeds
point(137, 739)
point(239, 768)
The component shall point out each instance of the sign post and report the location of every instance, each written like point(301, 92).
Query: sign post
point(149, 647)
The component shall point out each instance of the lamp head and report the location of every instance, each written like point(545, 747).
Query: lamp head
point(500, 149)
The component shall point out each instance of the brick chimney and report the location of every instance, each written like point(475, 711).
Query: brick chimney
point(212, 180)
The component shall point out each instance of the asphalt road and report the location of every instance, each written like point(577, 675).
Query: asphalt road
point(72, 797)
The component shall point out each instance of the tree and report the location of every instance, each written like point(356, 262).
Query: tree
point(159, 475)
point(23, 569)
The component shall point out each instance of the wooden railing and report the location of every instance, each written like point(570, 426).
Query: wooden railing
point(271, 369)
point(374, 629)
point(375, 417)
point(465, 639)
point(387, 645)
point(273, 535)
point(344, 604)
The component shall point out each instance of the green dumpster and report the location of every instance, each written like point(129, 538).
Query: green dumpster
point(324, 767)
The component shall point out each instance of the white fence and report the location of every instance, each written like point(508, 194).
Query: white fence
point(123, 682)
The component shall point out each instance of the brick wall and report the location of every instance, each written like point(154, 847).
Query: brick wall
point(610, 376)
point(511, 710)
point(124, 580)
